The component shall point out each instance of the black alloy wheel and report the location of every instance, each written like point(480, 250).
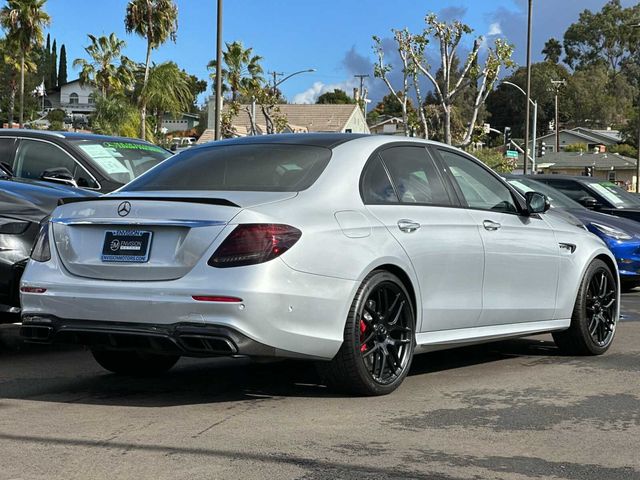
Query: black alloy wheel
point(386, 332)
point(601, 307)
point(379, 334)
point(595, 314)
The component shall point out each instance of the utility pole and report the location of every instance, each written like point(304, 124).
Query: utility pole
point(275, 81)
point(528, 110)
point(219, 73)
point(556, 85)
point(362, 77)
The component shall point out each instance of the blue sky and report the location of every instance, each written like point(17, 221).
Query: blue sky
point(332, 36)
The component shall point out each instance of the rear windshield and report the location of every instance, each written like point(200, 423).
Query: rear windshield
point(122, 161)
point(262, 168)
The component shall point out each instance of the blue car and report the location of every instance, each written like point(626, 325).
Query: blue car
point(621, 235)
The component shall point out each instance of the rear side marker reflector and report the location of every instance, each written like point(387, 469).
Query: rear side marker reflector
point(32, 290)
point(216, 298)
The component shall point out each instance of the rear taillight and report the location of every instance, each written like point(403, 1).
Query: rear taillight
point(41, 251)
point(254, 243)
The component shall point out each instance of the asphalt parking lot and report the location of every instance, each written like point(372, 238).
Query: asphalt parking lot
point(508, 410)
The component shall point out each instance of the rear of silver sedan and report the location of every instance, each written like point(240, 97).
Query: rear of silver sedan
point(161, 280)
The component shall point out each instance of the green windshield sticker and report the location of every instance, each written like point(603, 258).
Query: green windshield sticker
point(133, 146)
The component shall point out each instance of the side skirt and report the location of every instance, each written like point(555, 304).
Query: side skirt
point(442, 339)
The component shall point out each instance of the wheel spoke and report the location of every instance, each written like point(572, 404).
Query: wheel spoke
point(368, 339)
point(393, 354)
point(371, 350)
point(383, 359)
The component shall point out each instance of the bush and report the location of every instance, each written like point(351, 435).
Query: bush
point(494, 158)
point(577, 147)
point(623, 149)
point(56, 116)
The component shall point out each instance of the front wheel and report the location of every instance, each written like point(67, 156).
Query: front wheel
point(134, 363)
point(378, 339)
point(593, 323)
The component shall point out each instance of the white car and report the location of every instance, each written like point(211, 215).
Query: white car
point(357, 251)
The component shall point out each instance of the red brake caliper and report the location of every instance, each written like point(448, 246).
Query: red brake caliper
point(363, 328)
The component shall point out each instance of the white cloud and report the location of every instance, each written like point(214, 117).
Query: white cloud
point(311, 94)
point(494, 29)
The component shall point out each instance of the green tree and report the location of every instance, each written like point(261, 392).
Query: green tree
point(56, 119)
point(241, 71)
point(24, 21)
point(107, 68)
point(157, 21)
point(494, 158)
point(168, 91)
point(338, 97)
point(53, 65)
point(602, 37)
point(506, 105)
point(116, 115)
point(46, 61)
point(62, 70)
point(552, 50)
point(595, 99)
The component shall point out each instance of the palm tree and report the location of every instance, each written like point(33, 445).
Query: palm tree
point(24, 21)
point(157, 21)
point(11, 65)
point(107, 68)
point(168, 90)
point(243, 72)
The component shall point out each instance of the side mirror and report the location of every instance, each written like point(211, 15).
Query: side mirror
point(536, 202)
point(59, 175)
point(589, 202)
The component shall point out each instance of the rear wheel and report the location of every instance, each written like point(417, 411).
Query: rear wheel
point(378, 339)
point(593, 323)
point(134, 363)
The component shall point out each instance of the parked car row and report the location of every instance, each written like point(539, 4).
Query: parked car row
point(354, 251)
point(38, 169)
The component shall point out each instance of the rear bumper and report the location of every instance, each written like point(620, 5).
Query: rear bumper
point(293, 313)
point(183, 339)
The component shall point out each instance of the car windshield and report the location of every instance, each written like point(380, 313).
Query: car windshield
point(615, 195)
point(264, 167)
point(556, 198)
point(122, 161)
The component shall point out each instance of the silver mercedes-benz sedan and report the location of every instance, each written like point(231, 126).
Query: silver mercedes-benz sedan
point(356, 251)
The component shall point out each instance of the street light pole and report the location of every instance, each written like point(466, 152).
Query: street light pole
point(528, 111)
point(276, 74)
point(535, 124)
point(218, 118)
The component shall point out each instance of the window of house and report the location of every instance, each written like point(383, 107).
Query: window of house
point(74, 99)
point(92, 99)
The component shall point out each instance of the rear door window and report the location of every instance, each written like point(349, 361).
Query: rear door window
point(414, 176)
point(35, 157)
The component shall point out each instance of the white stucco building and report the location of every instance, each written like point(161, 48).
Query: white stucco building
point(76, 99)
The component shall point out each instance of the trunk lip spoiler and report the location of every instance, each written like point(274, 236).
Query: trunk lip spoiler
point(139, 221)
point(207, 201)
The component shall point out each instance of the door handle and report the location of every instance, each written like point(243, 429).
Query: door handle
point(491, 226)
point(408, 226)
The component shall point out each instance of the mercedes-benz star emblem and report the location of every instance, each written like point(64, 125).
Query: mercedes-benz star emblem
point(124, 208)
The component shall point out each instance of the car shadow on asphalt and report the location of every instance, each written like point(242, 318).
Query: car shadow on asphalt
point(200, 381)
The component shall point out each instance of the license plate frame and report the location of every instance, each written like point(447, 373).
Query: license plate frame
point(126, 246)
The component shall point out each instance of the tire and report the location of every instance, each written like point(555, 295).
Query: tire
point(379, 337)
point(594, 318)
point(134, 363)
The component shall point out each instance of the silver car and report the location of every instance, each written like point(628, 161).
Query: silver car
point(356, 251)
